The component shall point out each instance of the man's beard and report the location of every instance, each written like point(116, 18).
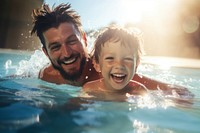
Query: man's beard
point(69, 76)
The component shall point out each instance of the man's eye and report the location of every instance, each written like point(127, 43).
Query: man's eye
point(55, 47)
point(72, 41)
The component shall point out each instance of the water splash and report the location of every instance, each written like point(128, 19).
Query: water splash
point(150, 100)
point(28, 68)
point(159, 98)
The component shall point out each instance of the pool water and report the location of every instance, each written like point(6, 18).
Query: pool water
point(30, 105)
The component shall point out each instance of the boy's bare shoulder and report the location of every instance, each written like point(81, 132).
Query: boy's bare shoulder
point(91, 90)
point(92, 85)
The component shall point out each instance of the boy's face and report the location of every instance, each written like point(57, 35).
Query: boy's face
point(65, 50)
point(117, 64)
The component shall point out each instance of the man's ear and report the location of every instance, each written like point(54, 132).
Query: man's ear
point(45, 51)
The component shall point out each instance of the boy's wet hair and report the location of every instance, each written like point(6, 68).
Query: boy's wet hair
point(127, 36)
point(45, 18)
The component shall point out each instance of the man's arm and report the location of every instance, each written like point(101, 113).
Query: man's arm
point(152, 84)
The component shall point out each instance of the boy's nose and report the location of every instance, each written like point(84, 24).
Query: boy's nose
point(119, 65)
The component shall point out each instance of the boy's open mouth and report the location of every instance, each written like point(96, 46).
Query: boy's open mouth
point(118, 77)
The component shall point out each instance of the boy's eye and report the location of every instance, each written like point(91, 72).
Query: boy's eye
point(129, 59)
point(109, 58)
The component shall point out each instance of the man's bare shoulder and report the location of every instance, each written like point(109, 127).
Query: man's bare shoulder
point(49, 74)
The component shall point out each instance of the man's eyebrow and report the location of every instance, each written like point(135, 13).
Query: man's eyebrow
point(52, 43)
point(67, 39)
point(71, 36)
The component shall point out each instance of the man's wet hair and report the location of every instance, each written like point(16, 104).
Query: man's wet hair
point(45, 18)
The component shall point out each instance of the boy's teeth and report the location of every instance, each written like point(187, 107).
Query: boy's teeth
point(118, 75)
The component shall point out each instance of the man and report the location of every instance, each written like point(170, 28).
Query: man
point(64, 42)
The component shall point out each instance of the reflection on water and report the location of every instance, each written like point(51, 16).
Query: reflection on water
point(28, 104)
point(17, 116)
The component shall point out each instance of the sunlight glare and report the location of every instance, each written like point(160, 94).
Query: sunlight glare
point(164, 64)
point(140, 127)
point(191, 24)
point(133, 10)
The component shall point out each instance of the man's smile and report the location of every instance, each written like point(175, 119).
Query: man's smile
point(69, 60)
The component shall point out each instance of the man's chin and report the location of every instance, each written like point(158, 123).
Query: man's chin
point(73, 74)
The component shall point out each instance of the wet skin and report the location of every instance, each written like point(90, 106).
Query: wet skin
point(66, 49)
point(117, 64)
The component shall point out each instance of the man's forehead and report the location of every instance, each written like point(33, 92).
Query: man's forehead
point(65, 26)
point(63, 29)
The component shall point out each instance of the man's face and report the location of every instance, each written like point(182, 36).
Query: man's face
point(65, 50)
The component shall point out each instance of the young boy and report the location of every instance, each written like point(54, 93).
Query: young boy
point(116, 55)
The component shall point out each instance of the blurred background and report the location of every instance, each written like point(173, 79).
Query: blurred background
point(16, 24)
point(170, 27)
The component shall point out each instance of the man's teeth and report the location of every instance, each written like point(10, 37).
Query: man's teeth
point(69, 61)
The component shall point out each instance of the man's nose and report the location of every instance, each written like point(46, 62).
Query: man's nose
point(66, 50)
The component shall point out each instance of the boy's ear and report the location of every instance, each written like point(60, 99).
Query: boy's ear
point(137, 64)
point(96, 66)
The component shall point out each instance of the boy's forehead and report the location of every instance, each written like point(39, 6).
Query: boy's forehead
point(119, 42)
point(110, 45)
point(117, 47)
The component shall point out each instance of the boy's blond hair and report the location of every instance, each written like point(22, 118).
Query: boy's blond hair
point(115, 33)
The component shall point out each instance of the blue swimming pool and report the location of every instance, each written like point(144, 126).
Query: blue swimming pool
point(30, 105)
